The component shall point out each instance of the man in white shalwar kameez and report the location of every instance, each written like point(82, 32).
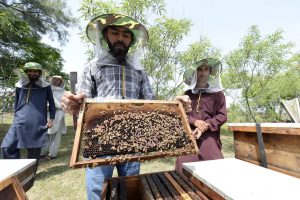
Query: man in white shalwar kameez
point(59, 126)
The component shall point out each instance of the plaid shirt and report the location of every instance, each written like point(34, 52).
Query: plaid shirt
point(108, 81)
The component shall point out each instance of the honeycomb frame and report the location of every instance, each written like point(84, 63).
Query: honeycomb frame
point(136, 108)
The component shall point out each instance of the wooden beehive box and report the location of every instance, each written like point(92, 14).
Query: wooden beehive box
point(161, 185)
point(281, 142)
point(11, 188)
point(130, 130)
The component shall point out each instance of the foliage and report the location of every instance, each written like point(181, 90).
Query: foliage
point(161, 59)
point(257, 67)
point(21, 26)
point(166, 34)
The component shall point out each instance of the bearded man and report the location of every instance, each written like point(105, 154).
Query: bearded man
point(30, 124)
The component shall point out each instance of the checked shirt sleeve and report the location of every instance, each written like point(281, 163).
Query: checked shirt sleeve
point(146, 89)
point(85, 84)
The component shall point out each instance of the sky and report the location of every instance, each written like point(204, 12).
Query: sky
point(223, 22)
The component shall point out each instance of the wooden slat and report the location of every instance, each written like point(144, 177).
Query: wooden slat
point(197, 190)
point(105, 189)
point(199, 184)
point(164, 192)
point(122, 190)
point(282, 151)
point(11, 188)
point(147, 194)
point(114, 189)
point(269, 128)
point(132, 158)
point(132, 101)
point(182, 193)
point(187, 125)
point(182, 184)
point(171, 189)
point(154, 189)
point(76, 145)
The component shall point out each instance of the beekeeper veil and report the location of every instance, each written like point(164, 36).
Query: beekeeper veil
point(214, 80)
point(95, 34)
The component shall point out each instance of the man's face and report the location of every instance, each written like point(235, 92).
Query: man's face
point(203, 73)
point(33, 75)
point(56, 82)
point(119, 40)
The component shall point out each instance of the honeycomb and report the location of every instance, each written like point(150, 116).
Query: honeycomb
point(132, 128)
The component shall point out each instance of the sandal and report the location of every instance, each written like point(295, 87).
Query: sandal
point(50, 158)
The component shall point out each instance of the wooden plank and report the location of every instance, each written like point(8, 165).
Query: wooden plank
point(197, 190)
point(154, 189)
point(182, 193)
point(131, 101)
point(282, 151)
point(290, 173)
point(11, 188)
point(171, 189)
point(122, 190)
point(273, 128)
point(247, 181)
point(105, 191)
point(163, 191)
point(182, 184)
point(146, 191)
point(113, 189)
point(202, 186)
point(133, 190)
point(187, 125)
point(77, 140)
point(23, 169)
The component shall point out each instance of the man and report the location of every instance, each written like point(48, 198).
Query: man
point(208, 110)
point(115, 73)
point(29, 128)
point(59, 126)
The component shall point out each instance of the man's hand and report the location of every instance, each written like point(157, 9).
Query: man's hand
point(201, 125)
point(49, 123)
point(186, 102)
point(70, 103)
point(197, 133)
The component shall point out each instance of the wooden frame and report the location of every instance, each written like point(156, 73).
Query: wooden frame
point(160, 185)
point(11, 188)
point(281, 141)
point(23, 169)
point(76, 163)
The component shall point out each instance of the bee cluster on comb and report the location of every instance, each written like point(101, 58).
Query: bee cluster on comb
point(140, 128)
point(137, 131)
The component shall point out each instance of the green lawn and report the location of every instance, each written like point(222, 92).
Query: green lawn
point(55, 180)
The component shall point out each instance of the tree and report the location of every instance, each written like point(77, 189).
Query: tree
point(162, 56)
point(21, 26)
point(254, 67)
point(195, 52)
point(161, 59)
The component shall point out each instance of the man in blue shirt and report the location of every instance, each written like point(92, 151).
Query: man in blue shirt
point(30, 124)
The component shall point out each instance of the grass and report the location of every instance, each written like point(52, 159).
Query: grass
point(55, 180)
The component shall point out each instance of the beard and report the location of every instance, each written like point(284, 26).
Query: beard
point(118, 50)
point(33, 78)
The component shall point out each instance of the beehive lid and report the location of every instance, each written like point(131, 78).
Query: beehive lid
point(117, 131)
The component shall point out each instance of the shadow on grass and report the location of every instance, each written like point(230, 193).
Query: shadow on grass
point(51, 171)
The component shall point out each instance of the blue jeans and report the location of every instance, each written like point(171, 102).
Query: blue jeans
point(96, 176)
